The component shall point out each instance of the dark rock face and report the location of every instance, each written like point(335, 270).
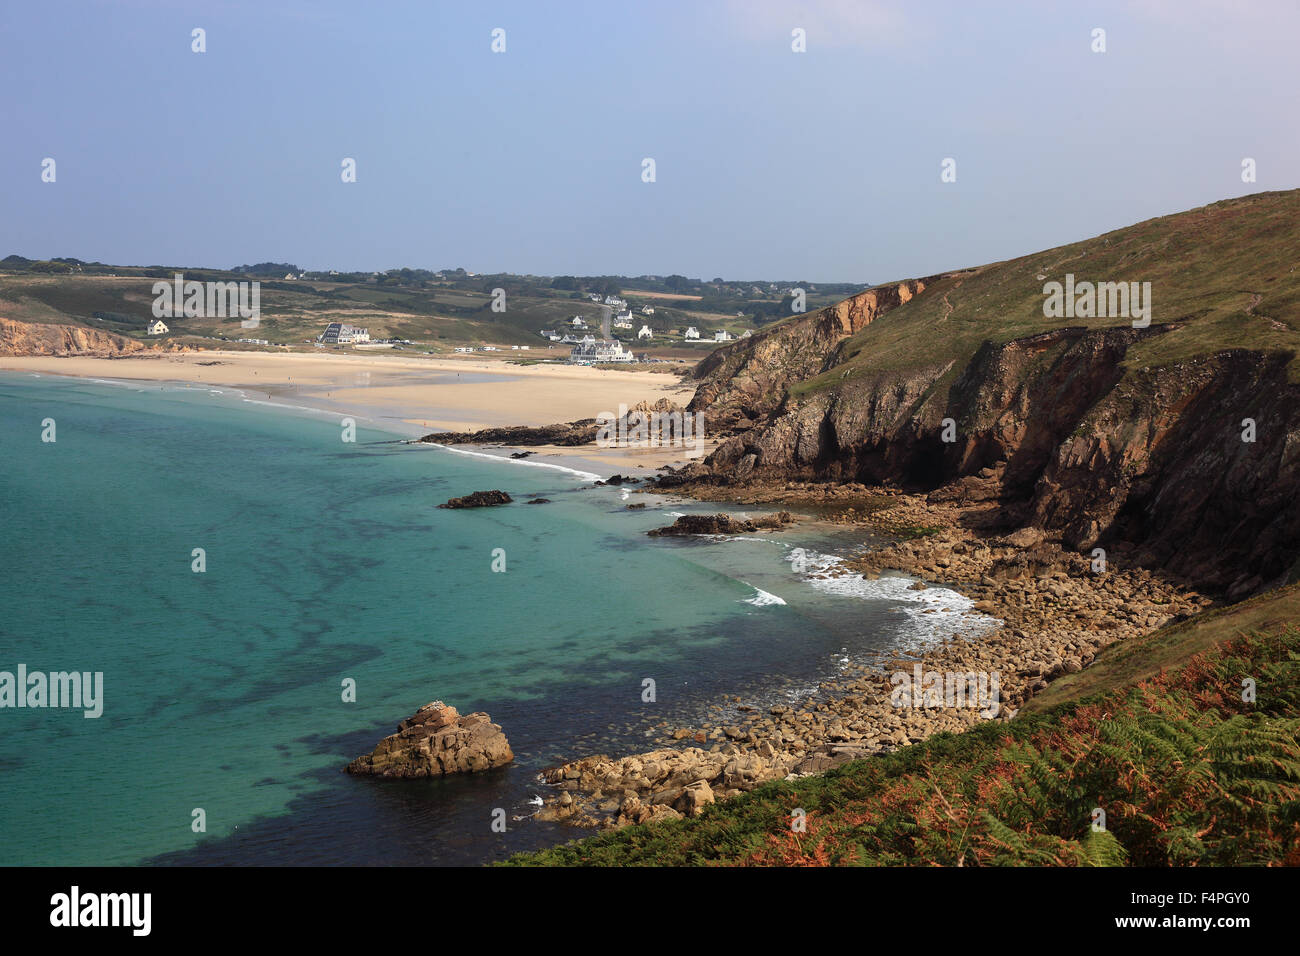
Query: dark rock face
point(1053, 428)
point(722, 524)
point(436, 741)
point(538, 501)
point(479, 499)
point(747, 380)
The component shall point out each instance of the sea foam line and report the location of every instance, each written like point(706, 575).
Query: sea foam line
point(762, 598)
point(589, 476)
point(930, 616)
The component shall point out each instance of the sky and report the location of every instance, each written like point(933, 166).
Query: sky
point(823, 166)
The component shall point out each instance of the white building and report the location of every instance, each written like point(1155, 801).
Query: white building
point(692, 333)
point(723, 336)
point(156, 327)
point(645, 333)
point(647, 310)
point(340, 333)
point(578, 322)
point(599, 352)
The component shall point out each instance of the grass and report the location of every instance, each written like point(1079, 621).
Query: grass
point(1144, 657)
point(294, 312)
point(1226, 274)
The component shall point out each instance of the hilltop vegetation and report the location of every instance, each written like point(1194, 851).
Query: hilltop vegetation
point(1226, 275)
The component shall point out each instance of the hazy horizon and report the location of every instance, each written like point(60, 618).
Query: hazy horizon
point(822, 165)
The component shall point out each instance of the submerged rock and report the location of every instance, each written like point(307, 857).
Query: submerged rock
point(479, 499)
point(436, 741)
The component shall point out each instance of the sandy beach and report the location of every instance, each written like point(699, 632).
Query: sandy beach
point(412, 395)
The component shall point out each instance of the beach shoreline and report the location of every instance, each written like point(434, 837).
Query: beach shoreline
point(408, 396)
point(1050, 615)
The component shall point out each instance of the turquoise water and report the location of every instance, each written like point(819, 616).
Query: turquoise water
point(328, 561)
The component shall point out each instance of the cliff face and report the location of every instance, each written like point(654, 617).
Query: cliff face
point(747, 380)
point(1101, 435)
point(1050, 427)
point(25, 338)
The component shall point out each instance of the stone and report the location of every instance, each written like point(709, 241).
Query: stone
point(694, 798)
point(436, 741)
point(479, 499)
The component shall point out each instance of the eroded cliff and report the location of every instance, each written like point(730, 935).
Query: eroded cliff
point(26, 338)
point(1164, 440)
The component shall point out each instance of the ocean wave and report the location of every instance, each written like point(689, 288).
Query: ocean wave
point(929, 616)
point(762, 598)
point(585, 475)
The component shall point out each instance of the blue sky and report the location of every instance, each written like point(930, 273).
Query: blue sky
point(817, 166)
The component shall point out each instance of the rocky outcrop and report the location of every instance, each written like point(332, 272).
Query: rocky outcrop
point(662, 784)
point(587, 431)
point(743, 382)
point(570, 433)
point(479, 499)
point(722, 524)
point(26, 338)
point(436, 741)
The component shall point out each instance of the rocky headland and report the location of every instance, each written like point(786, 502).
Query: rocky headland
point(1080, 483)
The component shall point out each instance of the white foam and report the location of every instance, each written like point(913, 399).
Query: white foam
point(930, 616)
point(762, 598)
point(586, 475)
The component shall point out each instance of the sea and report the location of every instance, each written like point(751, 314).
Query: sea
point(266, 600)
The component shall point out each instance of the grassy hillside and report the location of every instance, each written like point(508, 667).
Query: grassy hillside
point(1186, 771)
point(1228, 273)
point(437, 315)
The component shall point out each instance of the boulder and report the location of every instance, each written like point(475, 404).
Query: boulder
point(694, 799)
point(436, 741)
point(723, 524)
point(479, 499)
